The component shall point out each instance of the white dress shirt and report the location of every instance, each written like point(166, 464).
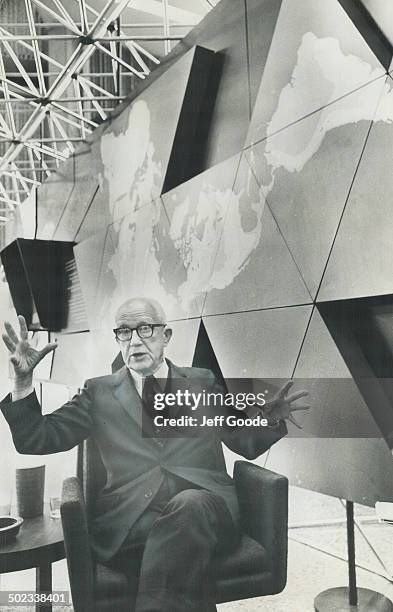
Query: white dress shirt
point(161, 374)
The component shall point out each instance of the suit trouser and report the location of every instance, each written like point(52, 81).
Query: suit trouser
point(171, 546)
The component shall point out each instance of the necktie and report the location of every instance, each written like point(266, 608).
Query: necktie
point(150, 388)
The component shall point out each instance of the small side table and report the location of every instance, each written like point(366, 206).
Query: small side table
point(38, 544)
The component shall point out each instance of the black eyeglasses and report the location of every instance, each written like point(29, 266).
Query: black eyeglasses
point(146, 330)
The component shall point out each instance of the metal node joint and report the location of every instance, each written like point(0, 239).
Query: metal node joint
point(86, 40)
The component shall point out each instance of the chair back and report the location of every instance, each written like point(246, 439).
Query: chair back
point(90, 471)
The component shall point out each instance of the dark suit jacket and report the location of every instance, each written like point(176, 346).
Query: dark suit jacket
point(109, 408)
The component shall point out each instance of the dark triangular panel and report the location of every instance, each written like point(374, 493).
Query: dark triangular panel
point(204, 356)
point(371, 21)
point(191, 137)
point(362, 330)
point(117, 363)
point(37, 272)
point(224, 31)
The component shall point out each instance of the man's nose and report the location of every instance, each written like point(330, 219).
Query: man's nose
point(135, 340)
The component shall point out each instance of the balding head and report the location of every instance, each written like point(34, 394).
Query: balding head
point(140, 306)
point(143, 354)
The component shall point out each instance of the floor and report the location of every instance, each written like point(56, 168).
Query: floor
point(310, 570)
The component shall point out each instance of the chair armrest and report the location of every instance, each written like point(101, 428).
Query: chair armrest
point(77, 545)
point(263, 502)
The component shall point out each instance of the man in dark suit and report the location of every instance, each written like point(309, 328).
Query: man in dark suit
point(168, 503)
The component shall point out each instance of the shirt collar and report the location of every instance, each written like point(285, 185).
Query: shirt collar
point(161, 374)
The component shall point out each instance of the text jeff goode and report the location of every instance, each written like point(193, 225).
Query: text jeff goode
point(216, 421)
point(203, 399)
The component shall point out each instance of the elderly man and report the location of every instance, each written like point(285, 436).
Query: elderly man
point(168, 503)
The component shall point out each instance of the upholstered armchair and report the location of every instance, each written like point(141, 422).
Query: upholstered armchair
point(258, 566)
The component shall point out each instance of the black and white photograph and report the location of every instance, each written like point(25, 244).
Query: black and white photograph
point(196, 305)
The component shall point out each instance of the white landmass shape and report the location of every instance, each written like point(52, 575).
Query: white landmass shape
point(131, 174)
point(322, 62)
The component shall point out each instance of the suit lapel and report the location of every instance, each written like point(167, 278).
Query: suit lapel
point(179, 381)
point(174, 370)
point(125, 393)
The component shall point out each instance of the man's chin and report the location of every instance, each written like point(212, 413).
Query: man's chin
point(139, 364)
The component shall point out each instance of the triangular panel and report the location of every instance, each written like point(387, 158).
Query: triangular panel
point(181, 348)
point(194, 122)
point(83, 356)
point(28, 215)
point(183, 342)
point(136, 150)
point(363, 331)
point(224, 31)
point(345, 456)
point(126, 255)
point(317, 56)
point(253, 267)
point(338, 407)
point(91, 257)
point(95, 218)
point(196, 211)
point(263, 343)
point(374, 20)
point(85, 186)
point(140, 259)
point(97, 214)
point(306, 172)
point(261, 24)
point(361, 260)
point(204, 356)
point(165, 273)
point(321, 464)
point(13, 229)
point(52, 198)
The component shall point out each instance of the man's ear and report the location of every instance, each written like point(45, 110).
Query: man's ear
point(167, 334)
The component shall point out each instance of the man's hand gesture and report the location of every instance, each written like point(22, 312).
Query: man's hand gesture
point(280, 405)
point(23, 356)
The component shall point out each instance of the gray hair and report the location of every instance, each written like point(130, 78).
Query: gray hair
point(155, 307)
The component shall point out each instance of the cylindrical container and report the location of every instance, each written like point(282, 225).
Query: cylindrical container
point(30, 483)
point(5, 492)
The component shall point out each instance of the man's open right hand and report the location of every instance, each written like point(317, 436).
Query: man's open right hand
point(23, 356)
